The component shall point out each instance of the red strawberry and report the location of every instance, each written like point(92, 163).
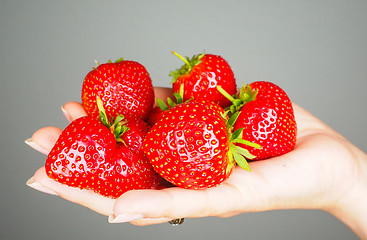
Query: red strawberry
point(266, 115)
point(191, 146)
point(125, 87)
point(134, 137)
point(87, 156)
point(201, 75)
point(162, 107)
point(157, 112)
point(154, 115)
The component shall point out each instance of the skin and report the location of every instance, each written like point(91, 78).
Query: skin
point(324, 171)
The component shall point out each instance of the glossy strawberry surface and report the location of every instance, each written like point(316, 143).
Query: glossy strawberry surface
point(202, 80)
point(189, 146)
point(154, 115)
point(135, 136)
point(268, 120)
point(125, 88)
point(87, 156)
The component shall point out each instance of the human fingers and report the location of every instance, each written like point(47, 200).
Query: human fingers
point(156, 206)
point(162, 93)
point(73, 110)
point(150, 221)
point(40, 181)
point(44, 139)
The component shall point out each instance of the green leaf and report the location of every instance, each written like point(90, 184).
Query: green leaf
point(121, 141)
point(247, 94)
point(103, 119)
point(162, 105)
point(170, 102)
point(246, 142)
point(237, 103)
point(224, 115)
point(238, 157)
point(118, 119)
point(178, 97)
point(240, 160)
point(117, 131)
point(175, 74)
point(244, 152)
point(119, 60)
point(237, 134)
point(232, 120)
point(102, 112)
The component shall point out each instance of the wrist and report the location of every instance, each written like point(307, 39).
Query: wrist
point(351, 208)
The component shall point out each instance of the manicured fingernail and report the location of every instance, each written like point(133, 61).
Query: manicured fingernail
point(35, 146)
point(66, 114)
point(31, 183)
point(122, 218)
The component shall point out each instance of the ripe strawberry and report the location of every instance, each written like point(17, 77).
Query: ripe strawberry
point(266, 115)
point(125, 87)
point(162, 107)
point(154, 115)
point(88, 155)
point(201, 75)
point(192, 147)
point(134, 137)
point(157, 112)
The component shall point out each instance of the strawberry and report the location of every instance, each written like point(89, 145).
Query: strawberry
point(201, 75)
point(266, 115)
point(134, 138)
point(154, 115)
point(162, 107)
point(192, 146)
point(157, 112)
point(125, 87)
point(108, 160)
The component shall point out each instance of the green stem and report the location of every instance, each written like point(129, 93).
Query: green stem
point(222, 91)
point(183, 59)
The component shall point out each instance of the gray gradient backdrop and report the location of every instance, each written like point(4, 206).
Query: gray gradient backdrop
point(315, 50)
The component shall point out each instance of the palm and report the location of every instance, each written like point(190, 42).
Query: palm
point(300, 179)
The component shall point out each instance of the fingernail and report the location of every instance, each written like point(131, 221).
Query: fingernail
point(35, 185)
point(66, 114)
point(122, 218)
point(35, 146)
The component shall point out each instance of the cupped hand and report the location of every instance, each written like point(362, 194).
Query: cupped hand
point(322, 170)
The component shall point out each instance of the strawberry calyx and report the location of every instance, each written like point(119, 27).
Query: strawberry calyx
point(109, 61)
point(187, 67)
point(117, 126)
point(245, 95)
point(238, 154)
point(170, 103)
point(119, 60)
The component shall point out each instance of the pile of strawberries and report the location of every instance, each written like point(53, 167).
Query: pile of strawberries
point(193, 141)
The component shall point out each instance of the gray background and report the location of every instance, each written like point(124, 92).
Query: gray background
point(315, 50)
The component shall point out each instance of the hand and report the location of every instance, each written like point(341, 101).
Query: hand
point(324, 171)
